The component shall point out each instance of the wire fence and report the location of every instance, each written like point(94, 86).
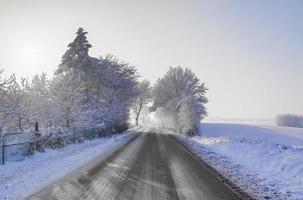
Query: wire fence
point(16, 146)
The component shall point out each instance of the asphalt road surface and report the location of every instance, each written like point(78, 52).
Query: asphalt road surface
point(151, 165)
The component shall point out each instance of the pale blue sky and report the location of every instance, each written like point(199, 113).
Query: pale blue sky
point(249, 53)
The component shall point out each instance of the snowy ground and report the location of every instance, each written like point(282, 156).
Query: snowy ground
point(21, 179)
point(265, 161)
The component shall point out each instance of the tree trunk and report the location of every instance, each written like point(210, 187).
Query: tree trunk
point(36, 126)
point(138, 114)
point(19, 123)
point(137, 120)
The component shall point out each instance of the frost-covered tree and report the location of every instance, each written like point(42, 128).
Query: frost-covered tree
point(94, 92)
point(70, 85)
point(86, 92)
point(13, 108)
point(181, 91)
point(24, 103)
point(38, 94)
point(76, 57)
point(143, 98)
point(4, 81)
point(189, 115)
point(112, 88)
point(62, 100)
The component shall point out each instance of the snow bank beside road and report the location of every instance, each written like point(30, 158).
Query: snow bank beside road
point(21, 179)
point(271, 134)
point(264, 161)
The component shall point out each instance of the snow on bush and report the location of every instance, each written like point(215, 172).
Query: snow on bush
point(290, 120)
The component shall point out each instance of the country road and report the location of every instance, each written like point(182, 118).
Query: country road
point(151, 165)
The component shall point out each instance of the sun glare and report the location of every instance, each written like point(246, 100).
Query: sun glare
point(29, 54)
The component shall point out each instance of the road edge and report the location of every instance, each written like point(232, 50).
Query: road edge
point(88, 165)
point(232, 186)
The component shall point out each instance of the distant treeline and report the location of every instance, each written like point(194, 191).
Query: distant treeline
point(289, 120)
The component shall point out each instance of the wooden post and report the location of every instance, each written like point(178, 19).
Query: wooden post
point(36, 127)
point(3, 147)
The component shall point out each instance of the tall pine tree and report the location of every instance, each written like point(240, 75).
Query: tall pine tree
point(76, 57)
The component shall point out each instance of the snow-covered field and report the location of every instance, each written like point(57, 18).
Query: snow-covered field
point(21, 179)
point(265, 161)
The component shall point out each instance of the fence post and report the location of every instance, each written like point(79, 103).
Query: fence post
point(3, 147)
point(74, 135)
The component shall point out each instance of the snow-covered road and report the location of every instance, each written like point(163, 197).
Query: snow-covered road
point(151, 165)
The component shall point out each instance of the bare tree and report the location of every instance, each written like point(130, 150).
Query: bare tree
point(143, 99)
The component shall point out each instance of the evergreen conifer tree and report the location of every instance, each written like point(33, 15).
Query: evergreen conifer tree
point(76, 57)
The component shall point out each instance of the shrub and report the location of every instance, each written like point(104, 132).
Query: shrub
point(121, 129)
